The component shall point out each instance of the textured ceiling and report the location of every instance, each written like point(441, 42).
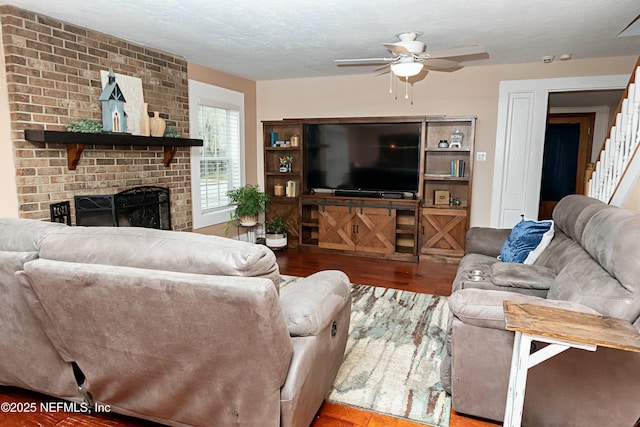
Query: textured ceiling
point(278, 39)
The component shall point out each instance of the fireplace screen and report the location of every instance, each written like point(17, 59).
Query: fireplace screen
point(137, 207)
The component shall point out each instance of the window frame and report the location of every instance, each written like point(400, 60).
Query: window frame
point(213, 96)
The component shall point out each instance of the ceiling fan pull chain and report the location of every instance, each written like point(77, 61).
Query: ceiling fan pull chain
point(390, 82)
point(411, 93)
point(406, 87)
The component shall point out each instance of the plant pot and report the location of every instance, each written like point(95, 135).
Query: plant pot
point(276, 240)
point(248, 220)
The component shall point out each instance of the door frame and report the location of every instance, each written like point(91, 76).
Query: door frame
point(522, 117)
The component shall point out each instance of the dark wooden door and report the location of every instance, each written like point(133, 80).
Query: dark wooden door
point(567, 150)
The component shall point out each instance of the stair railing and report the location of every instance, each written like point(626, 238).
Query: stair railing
point(620, 147)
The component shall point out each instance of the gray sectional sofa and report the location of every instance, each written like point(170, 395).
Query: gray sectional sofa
point(178, 328)
point(591, 265)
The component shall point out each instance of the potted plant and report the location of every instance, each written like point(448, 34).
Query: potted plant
point(249, 202)
point(276, 233)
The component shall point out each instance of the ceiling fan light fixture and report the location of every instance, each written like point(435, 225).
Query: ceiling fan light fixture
point(406, 69)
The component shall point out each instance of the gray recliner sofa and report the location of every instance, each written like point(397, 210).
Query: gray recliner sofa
point(591, 265)
point(178, 328)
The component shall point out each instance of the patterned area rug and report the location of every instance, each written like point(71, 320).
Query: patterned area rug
point(392, 360)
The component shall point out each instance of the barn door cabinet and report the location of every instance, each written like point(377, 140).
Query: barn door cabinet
point(360, 229)
point(370, 227)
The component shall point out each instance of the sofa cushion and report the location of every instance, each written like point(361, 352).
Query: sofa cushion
point(312, 303)
point(527, 241)
point(572, 213)
point(605, 276)
point(160, 250)
point(611, 238)
point(561, 250)
point(485, 240)
point(143, 337)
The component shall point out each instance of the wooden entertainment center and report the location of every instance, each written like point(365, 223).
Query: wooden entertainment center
point(431, 223)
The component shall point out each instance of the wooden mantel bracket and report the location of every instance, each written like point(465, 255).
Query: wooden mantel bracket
point(76, 142)
point(169, 152)
point(74, 152)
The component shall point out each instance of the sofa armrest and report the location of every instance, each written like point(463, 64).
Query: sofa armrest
point(483, 308)
point(485, 240)
point(311, 303)
point(514, 276)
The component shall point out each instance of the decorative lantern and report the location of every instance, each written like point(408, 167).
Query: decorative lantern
point(114, 118)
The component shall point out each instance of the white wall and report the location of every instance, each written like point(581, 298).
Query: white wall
point(469, 91)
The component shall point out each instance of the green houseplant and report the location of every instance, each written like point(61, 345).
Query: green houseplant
point(249, 202)
point(276, 233)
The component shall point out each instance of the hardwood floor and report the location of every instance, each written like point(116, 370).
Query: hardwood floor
point(425, 276)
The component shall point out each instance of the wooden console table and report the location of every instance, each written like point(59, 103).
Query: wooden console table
point(562, 329)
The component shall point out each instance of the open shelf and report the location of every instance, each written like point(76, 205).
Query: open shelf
point(405, 229)
point(76, 141)
point(445, 178)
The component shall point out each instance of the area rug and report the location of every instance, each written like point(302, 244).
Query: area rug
point(393, 355)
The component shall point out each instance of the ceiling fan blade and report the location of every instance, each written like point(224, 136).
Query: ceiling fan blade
point(397, 49)
point(440, 63)
point(363, 60)
point(457, 51)
point(382, 68)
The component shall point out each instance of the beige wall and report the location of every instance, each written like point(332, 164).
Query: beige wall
point(8, 192)
point(633, 199)
point(253, 161)
point(469, 91)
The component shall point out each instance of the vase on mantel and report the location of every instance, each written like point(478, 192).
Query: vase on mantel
point(157, 124)
point(145, 123)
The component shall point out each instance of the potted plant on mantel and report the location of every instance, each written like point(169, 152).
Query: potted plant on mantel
point(276, 233)
point(249, 202)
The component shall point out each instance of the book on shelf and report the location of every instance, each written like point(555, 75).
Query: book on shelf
point(457, 168)
point(436, 175)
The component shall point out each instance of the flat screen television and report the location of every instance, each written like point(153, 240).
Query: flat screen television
point(362, 157)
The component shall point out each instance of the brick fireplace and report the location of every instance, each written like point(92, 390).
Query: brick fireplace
point(53, 74)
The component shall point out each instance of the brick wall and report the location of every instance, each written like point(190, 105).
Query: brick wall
point(53, 77)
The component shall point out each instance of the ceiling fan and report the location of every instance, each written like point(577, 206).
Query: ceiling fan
point(410, 56)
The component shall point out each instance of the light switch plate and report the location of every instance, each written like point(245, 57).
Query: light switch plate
point(481, 156)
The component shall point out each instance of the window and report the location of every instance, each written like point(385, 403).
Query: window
point(216, 116)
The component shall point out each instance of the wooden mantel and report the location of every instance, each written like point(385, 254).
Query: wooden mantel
point(76, 141)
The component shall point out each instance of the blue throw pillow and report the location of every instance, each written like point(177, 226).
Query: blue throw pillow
point(527, 241)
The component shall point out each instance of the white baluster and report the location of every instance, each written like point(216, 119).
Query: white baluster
point(597, 179)
point(608, 166)
point(616, 163)
point(636, 113)
point(627, 123)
